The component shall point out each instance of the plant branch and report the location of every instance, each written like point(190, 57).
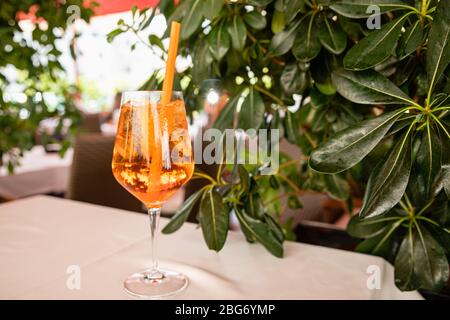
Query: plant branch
point(288, 163)
point(423, 11)
point(440, 124)
point(264, 50)
point(284, 195)
point(425, 207)
point(219, 171)
point(441, 108)
point(443, 114)
point(289, 182)
point(270, 95)
point(404, 207)
point(408, 202)
point(205, 176)
point(146, 44)
point(308, 137)
point(429, 221)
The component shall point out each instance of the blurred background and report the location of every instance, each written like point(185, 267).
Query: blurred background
point(60, 87)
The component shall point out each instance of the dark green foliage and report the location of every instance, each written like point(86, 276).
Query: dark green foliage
point(374, 116)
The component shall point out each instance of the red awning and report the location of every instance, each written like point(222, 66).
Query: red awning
point(114, 6)
point(104, 7)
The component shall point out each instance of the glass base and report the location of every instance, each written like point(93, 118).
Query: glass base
point(155, 284)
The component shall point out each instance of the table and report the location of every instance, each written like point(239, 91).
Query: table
point(39, 172)
point(42, 238)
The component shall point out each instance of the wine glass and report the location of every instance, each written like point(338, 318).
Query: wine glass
point(152, 159)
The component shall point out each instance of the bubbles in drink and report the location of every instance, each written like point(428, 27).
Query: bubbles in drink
point(152, 156)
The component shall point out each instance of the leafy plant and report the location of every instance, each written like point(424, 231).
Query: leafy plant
point(371, 112)
point(35, 61)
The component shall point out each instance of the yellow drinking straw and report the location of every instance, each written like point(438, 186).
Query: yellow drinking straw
point(170, 63)
point(155, 145)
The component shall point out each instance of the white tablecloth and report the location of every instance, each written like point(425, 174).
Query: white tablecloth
point(41, 237)
point(39, 172)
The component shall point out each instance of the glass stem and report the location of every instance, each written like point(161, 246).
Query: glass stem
point(154, 214)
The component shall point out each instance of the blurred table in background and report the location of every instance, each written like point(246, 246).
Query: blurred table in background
point(39, 173)
point(44, 239)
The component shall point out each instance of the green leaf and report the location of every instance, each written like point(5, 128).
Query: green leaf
point(146, 21)
point(238, 32)
point(10, 167)
point(261, 233)
point(202, 60)
point(255, 20)
point(274, 183)
point(177, 15)
point(211, 8)
point(292, 8)
point(181, 216)
point(249, 236)
point(225, 120)
point(319, 121)
point(332, 37)
point(274, 227)
point(254, 205)
point(326, 88)
point(404, 272)
point(442, 236)
point(278, 22)
point(445, 160)
point(370, 227)
point(420, 262)
point(280, 5)
point(402, 122)
point(110, 37)
point(291, 127)
point(214, 219)
point(352, 28)
point(410, 40)
point(337, 187)
point(318, 99)
point(382, 243)
point(376, 47)
point(234, 61)
point(428, 161)
point(368, 87)
point(350, 146)
point(389, 180)
point(165, 5)
point(294, 202)
point(219, 42)
point(358, 8)
point(293, 80)
point(438, 53)
point(307, 45)
point(244, 179)
point(252, 111)
point(259, 3)
point(156, 41)
point(439, 211)
point(192, 19)
point(282, 42)
point(134, 9)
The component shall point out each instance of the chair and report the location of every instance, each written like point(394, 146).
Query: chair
point(91, 178)
point(90, 123)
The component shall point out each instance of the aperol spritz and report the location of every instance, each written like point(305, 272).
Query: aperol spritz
point(152, 159)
